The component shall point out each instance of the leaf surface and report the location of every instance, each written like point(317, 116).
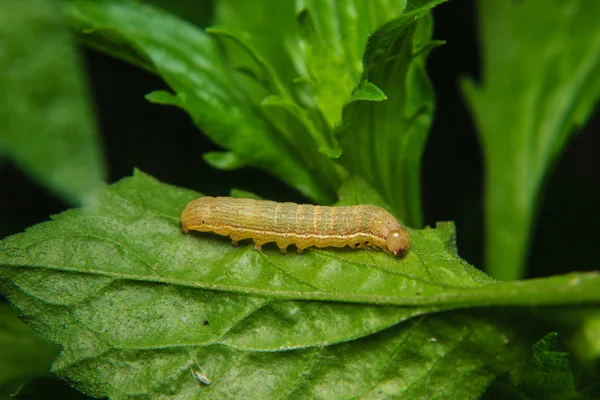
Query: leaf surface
point(150, 301)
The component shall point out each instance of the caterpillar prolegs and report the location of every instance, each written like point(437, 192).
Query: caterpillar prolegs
point(302, 225)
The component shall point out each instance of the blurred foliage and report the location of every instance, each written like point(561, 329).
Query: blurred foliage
point(46, 124)
point(24, 354)
point(540, 82)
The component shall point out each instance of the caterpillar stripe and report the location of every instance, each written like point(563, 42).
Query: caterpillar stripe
point(302, 225)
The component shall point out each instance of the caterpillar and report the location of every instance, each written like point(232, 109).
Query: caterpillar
point(302, 225)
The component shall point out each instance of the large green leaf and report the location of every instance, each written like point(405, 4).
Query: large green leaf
point(216, 96)
point(314, 47)
point(317, 56)
point(540, 81)
point(386, 122)
point(429, 274)
point(24, 354)
point(46, 124)
point(135, 303)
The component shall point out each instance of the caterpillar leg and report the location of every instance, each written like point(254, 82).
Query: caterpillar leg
point(258, 244)
point(184, 228)
point(282, 247)
point(235, 239)
point(300, 249)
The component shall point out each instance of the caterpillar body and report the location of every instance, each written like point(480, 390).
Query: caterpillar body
point(302, 225)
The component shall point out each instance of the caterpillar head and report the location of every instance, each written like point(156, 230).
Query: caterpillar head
point(394, 237)
point(397, 241)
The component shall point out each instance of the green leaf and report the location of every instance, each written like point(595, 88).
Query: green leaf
point(24, 354)
point(579, 328)
point(540, 81)
point(548, 376)
point(146, 302)
point(165, 98)
point(550, 371)
point(46, 124)
point(385, 124)
point(224, 103)
point(280, 107)
point(317, 58)
point(333, 36)
point(227, 161)
point(366, 91)
point(429, 274)
point(278, 67)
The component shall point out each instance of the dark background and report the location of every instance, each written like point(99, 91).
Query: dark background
point(163, 142)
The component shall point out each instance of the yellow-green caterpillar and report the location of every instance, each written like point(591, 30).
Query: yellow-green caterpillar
point(303, 225)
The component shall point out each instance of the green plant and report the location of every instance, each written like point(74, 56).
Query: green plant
point(334, 100)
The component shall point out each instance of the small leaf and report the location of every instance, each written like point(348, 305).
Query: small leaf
point(548, 376)
point(163, 97)
point(550, 371)
point(46, 123)
point(366, 91)
point(227, 161)
point(579, 328)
